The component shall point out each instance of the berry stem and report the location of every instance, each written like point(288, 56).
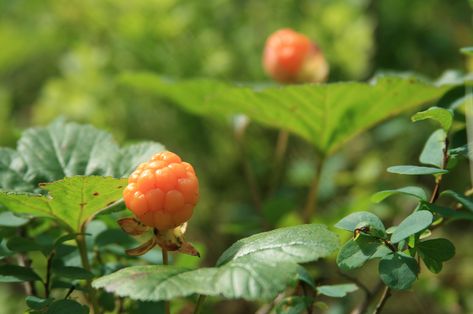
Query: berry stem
point(312, 196)
point(166, 262)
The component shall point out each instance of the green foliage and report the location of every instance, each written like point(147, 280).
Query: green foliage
point(433, 152)
point(47, 154)
point(398, 270)
point(353, 221)
point(416, 170)
point(441, 115)
point(321, 114)
point(13, 273)
point(71, 201)
point(414, 191)
point(256, 261)
point(356, 252)
point(337, 291)
point(435, 252)
point(67, 306)
point(412, 224)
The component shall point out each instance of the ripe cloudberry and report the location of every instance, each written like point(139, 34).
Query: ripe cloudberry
point(290, 57)
point(163, 191)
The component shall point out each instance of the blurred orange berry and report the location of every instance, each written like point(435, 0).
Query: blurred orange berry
point(290, 57)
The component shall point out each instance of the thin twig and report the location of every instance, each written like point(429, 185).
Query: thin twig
point(200, 302)
point(267, 308)
point(385, 296)
point(82, 246)
point(312, 196)
point(279, 153)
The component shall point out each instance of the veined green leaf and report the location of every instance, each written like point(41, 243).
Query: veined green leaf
point(434, 252)
point(326, 115)
point(71, 201)
point(398, 270)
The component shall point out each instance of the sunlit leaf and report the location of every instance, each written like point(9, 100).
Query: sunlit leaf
point(415, 170)
point(412, 224)
point(433, 152)
point(408, 190)
point(441, 115)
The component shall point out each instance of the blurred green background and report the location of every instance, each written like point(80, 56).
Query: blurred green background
point(65, 58)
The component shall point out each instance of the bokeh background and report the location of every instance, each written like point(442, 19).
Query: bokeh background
point(66, 58)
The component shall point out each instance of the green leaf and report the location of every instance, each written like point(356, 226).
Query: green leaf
point(355, 253)
point(67, 306)
point(408, 190)
point(327, 115)
point(448, 212)
point(37, 303)
point(398, 271)
point(245, 278)
point(413, 224)
point(434, 252)
point(72, 272)
point(337, 291)
point(66, 149)
point(352, 221)
point(12, 171)
point(433, 152)
point(441, 115)
point(19, 244)
point(13, 273)
point(133, 155)
point(304, 276)
point(71, 201)
point(415, 170)
point(47, 154)
point(466, 201)
point(467, 51)
point(298, 244)
point(8, 219)
point(255, 268)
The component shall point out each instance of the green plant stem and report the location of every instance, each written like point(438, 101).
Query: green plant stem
point(200, 302)
point(312, 196)
point(279, 153)
point(384, 297)
point(165, 254)
point(82, 246)
point(47, 283)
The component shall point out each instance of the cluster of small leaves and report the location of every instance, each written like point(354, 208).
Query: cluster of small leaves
point(398, 246)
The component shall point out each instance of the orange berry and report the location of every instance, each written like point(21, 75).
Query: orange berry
point(163, 191)
point(290, 57)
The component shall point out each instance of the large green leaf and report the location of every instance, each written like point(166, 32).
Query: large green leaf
point(434, 252)
point(71, 200)
point(298, 244)
point(255, 268)
point(325, 115)
point(47, 154)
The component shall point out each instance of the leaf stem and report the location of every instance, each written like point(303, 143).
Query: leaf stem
point(200, 302)
point(312, 196)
